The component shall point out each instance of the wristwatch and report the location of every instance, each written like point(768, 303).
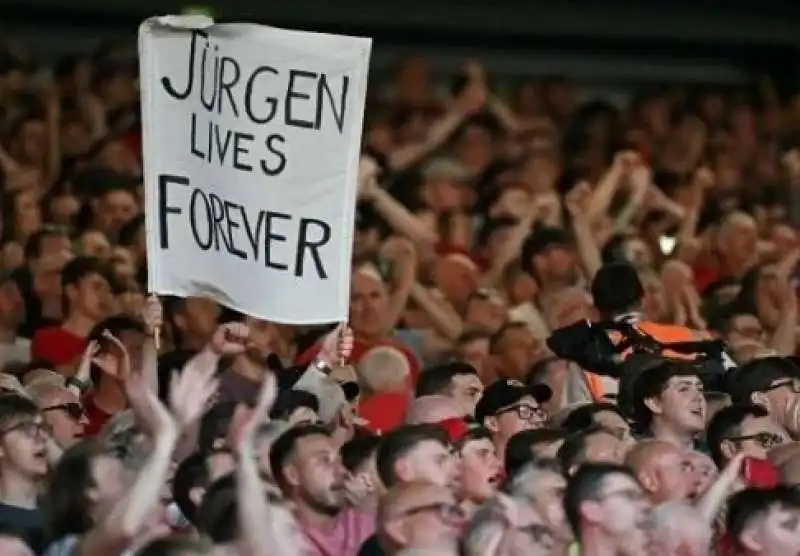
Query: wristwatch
point(322, 366)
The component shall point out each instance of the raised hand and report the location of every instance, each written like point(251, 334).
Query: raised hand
point(152, 314)
point(578, 199)
point(230, 339)
point(337, 346)
point(117, 365)
point(190, 391)
point(84, 371)
point(368, 172)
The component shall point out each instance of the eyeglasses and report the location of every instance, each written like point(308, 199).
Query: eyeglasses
point(791, 383)
point(444, 510)
point(525, 411)
point(73, 409)
point(31, 429)
point(766, 440)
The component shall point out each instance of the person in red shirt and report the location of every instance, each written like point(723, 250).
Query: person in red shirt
point(736, 252)
point(117, 336)
point(87, 297)
point(372, 319)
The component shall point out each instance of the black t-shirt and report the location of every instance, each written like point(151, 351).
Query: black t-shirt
point(27, 522)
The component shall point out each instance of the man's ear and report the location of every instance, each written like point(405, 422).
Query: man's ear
point(196, 495)
point(648, 481)
point(402, 470)
point(653, 403)
point(728, 449)
point(291, 475)
point(761, 398)
point(751, 541)
point(590, 511)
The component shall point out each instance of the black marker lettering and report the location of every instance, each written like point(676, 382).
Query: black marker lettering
point(167, 83)
point(233, 226)
point(292, 94)
point(270, 236)
point(225, 84)
point(164, 180)
point(198, 194)
point(304, 243)
point(271, 102)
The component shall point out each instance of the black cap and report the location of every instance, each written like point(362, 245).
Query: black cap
point(290, 400)
point(506, 392)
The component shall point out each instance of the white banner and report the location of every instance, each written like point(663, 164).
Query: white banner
point(251, 140)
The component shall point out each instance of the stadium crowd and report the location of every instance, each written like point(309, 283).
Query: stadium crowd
point(443, 419)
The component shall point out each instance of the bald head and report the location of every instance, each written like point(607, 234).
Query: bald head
point(664, 470)
point(432, 409)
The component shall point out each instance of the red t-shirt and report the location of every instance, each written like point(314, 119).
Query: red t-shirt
point(57, 345)
point(96, 418)
point(385, 411)
point(704, 276)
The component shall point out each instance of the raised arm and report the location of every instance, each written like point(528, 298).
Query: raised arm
point(264, 529)
point(119, 528)
point(609, 184)
point(578, 205)
point(402, 258)
point(396, 215)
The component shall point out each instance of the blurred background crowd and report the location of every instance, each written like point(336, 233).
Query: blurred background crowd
point(526, 167)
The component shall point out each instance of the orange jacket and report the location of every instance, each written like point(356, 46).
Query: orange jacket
point(664, 333)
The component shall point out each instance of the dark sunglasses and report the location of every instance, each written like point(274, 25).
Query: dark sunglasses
point(73, 409)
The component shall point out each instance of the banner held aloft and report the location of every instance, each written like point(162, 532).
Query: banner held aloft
point(251, 139)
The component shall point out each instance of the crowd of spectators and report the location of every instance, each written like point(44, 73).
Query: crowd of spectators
point(438, 420)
